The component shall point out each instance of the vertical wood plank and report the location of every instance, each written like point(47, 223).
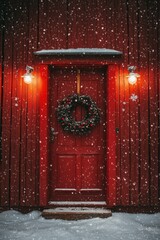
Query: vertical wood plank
point(120, 23)
point(18, 42)
point(133, 104)
point(6, 115)
point(110, 23)
point(33, 19)
point(33, 45)
point(92, 18)
point(71, 25)
point(153, 99)
point(111, 136)
point(29, 201)
point(77, 15)
point(124, 108)
point(144, 133)
point(134, 145)
point(43, 191)
point(121, 43)
point(1, 83)
point(118, 140)
point(42, 27)
point(32, 163)
point(52, 24)
point(57, 36)
point(1, 73)
point(158, 76)
point(102, 27)
point(124, 134)
point(23, 154)
point(37, 137)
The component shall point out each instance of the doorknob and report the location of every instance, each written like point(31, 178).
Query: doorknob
point(52, 134)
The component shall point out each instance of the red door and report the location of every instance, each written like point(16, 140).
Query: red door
point(77, 163)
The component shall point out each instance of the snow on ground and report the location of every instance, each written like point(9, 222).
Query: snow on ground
point(17, 226)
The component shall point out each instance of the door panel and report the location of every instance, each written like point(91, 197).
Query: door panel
point(89, 172)
point(66, 179)
point(77, 163)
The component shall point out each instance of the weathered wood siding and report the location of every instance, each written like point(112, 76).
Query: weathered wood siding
point(130, 26)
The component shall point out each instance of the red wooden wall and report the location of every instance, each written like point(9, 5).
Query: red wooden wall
point(130, 26)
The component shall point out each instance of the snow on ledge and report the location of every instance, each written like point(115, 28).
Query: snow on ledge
point(79, 51)
point(76, 203)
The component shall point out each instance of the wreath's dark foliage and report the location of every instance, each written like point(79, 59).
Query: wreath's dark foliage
point(66, 119)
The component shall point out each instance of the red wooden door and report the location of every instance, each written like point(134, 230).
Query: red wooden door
point(77, 163)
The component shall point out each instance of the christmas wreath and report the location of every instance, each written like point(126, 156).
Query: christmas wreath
point(68, 122)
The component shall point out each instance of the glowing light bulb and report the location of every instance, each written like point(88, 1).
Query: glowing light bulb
point(27, 78)
point(132, 79)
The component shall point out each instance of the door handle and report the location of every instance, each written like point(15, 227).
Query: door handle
point(52, 134)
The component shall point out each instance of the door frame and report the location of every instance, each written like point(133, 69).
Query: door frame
point(42, 72)
point(76, 156)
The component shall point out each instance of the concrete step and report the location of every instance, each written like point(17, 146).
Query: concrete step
point(75, 213)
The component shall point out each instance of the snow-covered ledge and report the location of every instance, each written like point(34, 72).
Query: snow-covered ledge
point(83, 56)
point(79, 52)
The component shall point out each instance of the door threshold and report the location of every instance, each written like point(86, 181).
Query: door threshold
point(77, 203)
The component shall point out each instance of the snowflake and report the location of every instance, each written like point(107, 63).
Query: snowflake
point(134, 97)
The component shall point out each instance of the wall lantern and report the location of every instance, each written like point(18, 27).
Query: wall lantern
point(132, 77)
point(27, 77)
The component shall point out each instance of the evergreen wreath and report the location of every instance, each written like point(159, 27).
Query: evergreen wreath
point(66, 119)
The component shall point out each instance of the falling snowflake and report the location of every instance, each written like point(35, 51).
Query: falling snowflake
point(134, 97)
